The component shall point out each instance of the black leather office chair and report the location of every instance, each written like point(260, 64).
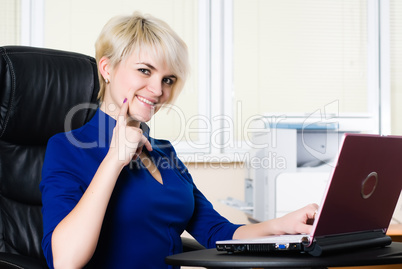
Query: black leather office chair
point(38, 89)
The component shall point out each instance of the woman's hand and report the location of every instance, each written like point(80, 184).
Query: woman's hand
point(296, 222)
point(128, 140)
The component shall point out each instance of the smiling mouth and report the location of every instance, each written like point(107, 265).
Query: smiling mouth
point(146, 101)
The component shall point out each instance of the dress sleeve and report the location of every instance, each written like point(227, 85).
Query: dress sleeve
point(61, 188)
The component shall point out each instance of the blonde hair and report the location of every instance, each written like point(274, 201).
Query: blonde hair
point(124, 35)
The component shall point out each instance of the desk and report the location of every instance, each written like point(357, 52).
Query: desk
point(212, 258)
point(395, 231)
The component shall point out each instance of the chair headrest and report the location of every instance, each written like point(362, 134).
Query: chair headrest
point(44, 92)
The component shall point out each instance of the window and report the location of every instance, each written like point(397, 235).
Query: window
point(251, 58)
point(294, 59)
point(10, 22)
point(296, 56)
point(395, 50)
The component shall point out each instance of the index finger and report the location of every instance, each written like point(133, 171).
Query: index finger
point(123, 113)
point(311, 213)
point(148, 145)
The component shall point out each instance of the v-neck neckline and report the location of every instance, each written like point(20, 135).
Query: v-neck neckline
point(156, 166)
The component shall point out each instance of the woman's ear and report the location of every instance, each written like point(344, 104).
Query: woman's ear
point(104, 68)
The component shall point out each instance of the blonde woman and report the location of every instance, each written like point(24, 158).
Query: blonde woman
point(124, 201)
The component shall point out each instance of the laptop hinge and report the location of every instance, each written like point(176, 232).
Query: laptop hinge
point(338, 243)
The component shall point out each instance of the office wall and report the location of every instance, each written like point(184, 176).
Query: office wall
point(218, 181)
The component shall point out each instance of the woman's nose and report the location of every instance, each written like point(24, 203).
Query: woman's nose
point(155, 87)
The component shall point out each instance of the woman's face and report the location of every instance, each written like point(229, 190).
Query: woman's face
point(150, 81)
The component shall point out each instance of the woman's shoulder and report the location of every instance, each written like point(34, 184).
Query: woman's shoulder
point(162, 145)
point(70, 154)
point(76, 138)
point(167, 151)
point(66, 149)
point(81, 136)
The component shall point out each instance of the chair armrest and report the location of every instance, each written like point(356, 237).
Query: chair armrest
point(190, 244)
point(15, 261)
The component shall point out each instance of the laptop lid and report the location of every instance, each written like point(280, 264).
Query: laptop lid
point(364, 188)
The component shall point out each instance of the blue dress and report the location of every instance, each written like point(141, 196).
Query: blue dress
point(144, 218)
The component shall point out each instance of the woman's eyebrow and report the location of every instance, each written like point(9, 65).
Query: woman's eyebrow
point(172, 76)
point(148, 64)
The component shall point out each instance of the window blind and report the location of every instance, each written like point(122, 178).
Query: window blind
point(10, 22)
point(395, 13)
point(294, 56)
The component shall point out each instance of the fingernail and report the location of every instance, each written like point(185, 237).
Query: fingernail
point(125, 100)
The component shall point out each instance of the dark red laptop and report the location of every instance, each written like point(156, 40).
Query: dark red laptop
point(358, 205)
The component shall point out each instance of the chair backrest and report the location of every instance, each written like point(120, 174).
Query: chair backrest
point(42, 92)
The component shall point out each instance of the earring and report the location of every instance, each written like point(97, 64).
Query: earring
point(106, 80)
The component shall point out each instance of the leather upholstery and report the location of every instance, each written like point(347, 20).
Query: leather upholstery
point(42, 92)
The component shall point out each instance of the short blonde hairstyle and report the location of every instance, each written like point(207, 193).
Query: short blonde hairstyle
point(124, 35)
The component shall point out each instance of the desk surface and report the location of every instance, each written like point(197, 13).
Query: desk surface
point(212, 258)
point(395, 230)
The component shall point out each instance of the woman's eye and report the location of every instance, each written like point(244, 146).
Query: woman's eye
point(144, 71)
point(168, 81)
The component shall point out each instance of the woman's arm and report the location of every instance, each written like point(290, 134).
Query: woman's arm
point(297, 222)
point(75, 238)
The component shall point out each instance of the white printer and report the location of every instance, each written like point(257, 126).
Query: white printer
point(290, 166)
point(290, 161)
point(294, 169)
